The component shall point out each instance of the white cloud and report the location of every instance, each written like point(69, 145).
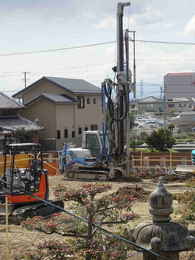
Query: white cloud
point(190, 26)
point(106, 22)
point(149, 16)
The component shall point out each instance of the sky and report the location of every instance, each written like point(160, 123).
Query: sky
point(48, 25)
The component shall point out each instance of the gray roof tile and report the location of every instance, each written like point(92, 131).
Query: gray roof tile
point(7, 102)
point(18, 122)
point(75, 85)
point(57, 98)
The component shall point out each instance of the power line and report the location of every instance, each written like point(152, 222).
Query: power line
point(57, 49)
point(92, 45)
point(167, 42)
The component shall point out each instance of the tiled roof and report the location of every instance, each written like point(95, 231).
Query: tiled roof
point(180, 73)
point(71, 85)
point(17, 122)
point(8, 103)
point(149, 99)
point(54, 98)
point(58, 98)
point(75, 85)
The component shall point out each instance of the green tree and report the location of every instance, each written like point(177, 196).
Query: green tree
point(161, 139)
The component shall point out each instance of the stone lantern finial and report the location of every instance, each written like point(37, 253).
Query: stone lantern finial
point(160, 202)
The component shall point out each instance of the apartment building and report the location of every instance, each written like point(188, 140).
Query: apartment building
point(178, 85)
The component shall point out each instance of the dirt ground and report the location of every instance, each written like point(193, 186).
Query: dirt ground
point(19, 238)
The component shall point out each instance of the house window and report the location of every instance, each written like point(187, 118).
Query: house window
point(94, 100)
point(88, 101)
point(94, 127)
point(73, 134)
point(65, 133)
point(86, 128)
point(79, 130)
point(171, 105)
point(58, 134)
point(81, 102)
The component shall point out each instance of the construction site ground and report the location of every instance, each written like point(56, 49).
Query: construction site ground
point(19, 238)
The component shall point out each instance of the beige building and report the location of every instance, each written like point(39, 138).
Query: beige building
point(181, 84)
point(64, 107)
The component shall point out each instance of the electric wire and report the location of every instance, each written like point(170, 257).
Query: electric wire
point(93, 45)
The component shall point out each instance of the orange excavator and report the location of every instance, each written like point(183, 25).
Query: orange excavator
point(24, 183)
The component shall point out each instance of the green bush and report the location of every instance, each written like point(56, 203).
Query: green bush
point(160, 139)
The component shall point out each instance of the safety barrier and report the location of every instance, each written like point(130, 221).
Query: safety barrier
point(50, 162)
point(166, 160)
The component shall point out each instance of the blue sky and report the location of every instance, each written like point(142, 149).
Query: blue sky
point(31, 25)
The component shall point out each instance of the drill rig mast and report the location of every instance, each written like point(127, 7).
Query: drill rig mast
point(118, 110)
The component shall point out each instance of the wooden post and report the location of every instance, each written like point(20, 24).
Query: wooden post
point(170, 160)
point(7, 227)
point(141, 161)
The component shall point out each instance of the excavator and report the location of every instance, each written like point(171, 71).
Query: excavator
point(104, 154)
point(23, 183)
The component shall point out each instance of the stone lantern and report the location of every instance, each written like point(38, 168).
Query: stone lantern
point(162, 235)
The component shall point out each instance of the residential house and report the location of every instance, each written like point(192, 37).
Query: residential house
point(157, 105)
point(147, 104)
point(65, 107)
point(181, 104)
point(11, 119)
point(185, 121)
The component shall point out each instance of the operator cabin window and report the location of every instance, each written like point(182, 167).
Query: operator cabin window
point(65, 133)
point(58, 134)
point(81, 102)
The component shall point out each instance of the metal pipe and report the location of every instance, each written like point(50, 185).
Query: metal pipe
point(120, 139)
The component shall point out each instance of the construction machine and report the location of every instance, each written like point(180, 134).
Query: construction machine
point(23, 183)
point(104, 154)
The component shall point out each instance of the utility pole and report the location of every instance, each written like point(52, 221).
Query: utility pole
point(25, 78)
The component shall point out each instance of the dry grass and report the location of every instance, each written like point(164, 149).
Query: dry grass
point(19, 238)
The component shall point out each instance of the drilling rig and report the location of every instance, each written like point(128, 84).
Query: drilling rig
point(105, 154)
